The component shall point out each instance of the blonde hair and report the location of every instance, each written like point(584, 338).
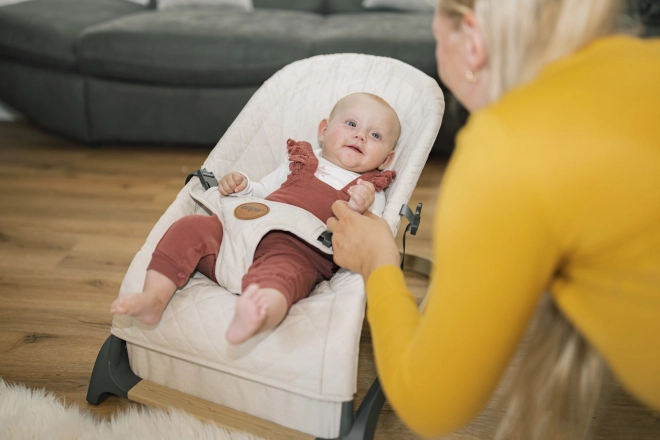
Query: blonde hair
point(557, 386)
point(523, 36)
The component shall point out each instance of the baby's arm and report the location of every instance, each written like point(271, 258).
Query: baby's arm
point(362, 195)
point(378, 206)
point(263, 187)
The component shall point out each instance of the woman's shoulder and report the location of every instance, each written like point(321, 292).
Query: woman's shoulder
point(581, 122)
point(591, 95)
point(602, 74)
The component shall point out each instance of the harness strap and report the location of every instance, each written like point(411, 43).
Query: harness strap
point(208, 180)
point(413, 225)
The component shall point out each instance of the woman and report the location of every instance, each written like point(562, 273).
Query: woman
point(554, 187)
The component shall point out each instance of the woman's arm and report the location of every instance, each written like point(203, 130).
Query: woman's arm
point(494, 254)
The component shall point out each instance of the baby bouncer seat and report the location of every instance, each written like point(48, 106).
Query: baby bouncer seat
point(303, 374)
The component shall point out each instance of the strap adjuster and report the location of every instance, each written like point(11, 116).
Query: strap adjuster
point(414, 219)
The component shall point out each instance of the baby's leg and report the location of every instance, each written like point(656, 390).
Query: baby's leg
point(148, 306)
point(283, 273)
point(190, 244)
point(257, 310)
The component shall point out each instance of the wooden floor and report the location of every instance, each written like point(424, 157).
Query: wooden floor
point(71, 219)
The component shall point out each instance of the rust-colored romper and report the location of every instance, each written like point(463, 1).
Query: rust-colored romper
point(281, 261)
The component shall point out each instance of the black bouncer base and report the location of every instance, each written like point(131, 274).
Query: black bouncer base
point(112, 374)
point(363, 425)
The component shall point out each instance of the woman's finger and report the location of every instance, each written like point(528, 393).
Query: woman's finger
point(331, 224)
point(340, 209)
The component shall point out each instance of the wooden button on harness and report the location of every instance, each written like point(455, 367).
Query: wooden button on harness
point(250, 211)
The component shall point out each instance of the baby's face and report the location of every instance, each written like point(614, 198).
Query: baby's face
point(360, 135)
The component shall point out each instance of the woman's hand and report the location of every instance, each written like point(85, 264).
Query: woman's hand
point(361, 242)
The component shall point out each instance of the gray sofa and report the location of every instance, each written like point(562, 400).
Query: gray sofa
point(112, 71)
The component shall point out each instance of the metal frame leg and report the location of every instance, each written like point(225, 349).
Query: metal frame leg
point(112, 372)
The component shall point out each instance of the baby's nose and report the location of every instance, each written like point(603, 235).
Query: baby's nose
point(359, 134)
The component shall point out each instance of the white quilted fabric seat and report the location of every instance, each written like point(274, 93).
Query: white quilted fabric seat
point(299, 374)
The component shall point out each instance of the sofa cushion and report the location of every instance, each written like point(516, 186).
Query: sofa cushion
point(198, 47)
point(343, 6)
point(405, 36)
point(298, 5)
point(245, 5)
point(45, 32)
point(399, 5)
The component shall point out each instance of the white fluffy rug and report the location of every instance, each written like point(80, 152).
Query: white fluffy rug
point(37, 414)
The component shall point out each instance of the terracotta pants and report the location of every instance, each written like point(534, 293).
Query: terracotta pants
point(281, 261)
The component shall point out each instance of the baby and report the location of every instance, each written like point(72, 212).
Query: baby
point(357, 143)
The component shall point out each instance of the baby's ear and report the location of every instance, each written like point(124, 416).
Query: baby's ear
point(323, 126)
point(388, 160)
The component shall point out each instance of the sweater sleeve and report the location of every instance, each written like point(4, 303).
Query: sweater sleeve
point(494, 254)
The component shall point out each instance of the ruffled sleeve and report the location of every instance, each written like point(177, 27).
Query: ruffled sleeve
point(382, 180)
point(300, 155)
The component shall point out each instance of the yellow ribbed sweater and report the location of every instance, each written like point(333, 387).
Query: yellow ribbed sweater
point(556, 187)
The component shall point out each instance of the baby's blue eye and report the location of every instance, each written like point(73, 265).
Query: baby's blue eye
point(351, 124)
point(376, 135)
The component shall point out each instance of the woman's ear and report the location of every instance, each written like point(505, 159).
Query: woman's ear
point(323, 126)
point(388, 160)
point(476, 55)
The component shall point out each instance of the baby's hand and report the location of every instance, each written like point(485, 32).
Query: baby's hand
point(232, 183)
point(362, 195)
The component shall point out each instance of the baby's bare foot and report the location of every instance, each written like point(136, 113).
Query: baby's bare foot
point(251, 314)
point(144, 307)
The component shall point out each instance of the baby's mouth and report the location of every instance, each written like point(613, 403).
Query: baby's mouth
point(354, 148)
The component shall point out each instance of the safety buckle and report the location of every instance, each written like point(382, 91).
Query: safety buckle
point(206, 178)
point(326, 239)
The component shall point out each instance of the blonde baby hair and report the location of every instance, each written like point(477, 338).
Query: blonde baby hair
point(377, 99)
